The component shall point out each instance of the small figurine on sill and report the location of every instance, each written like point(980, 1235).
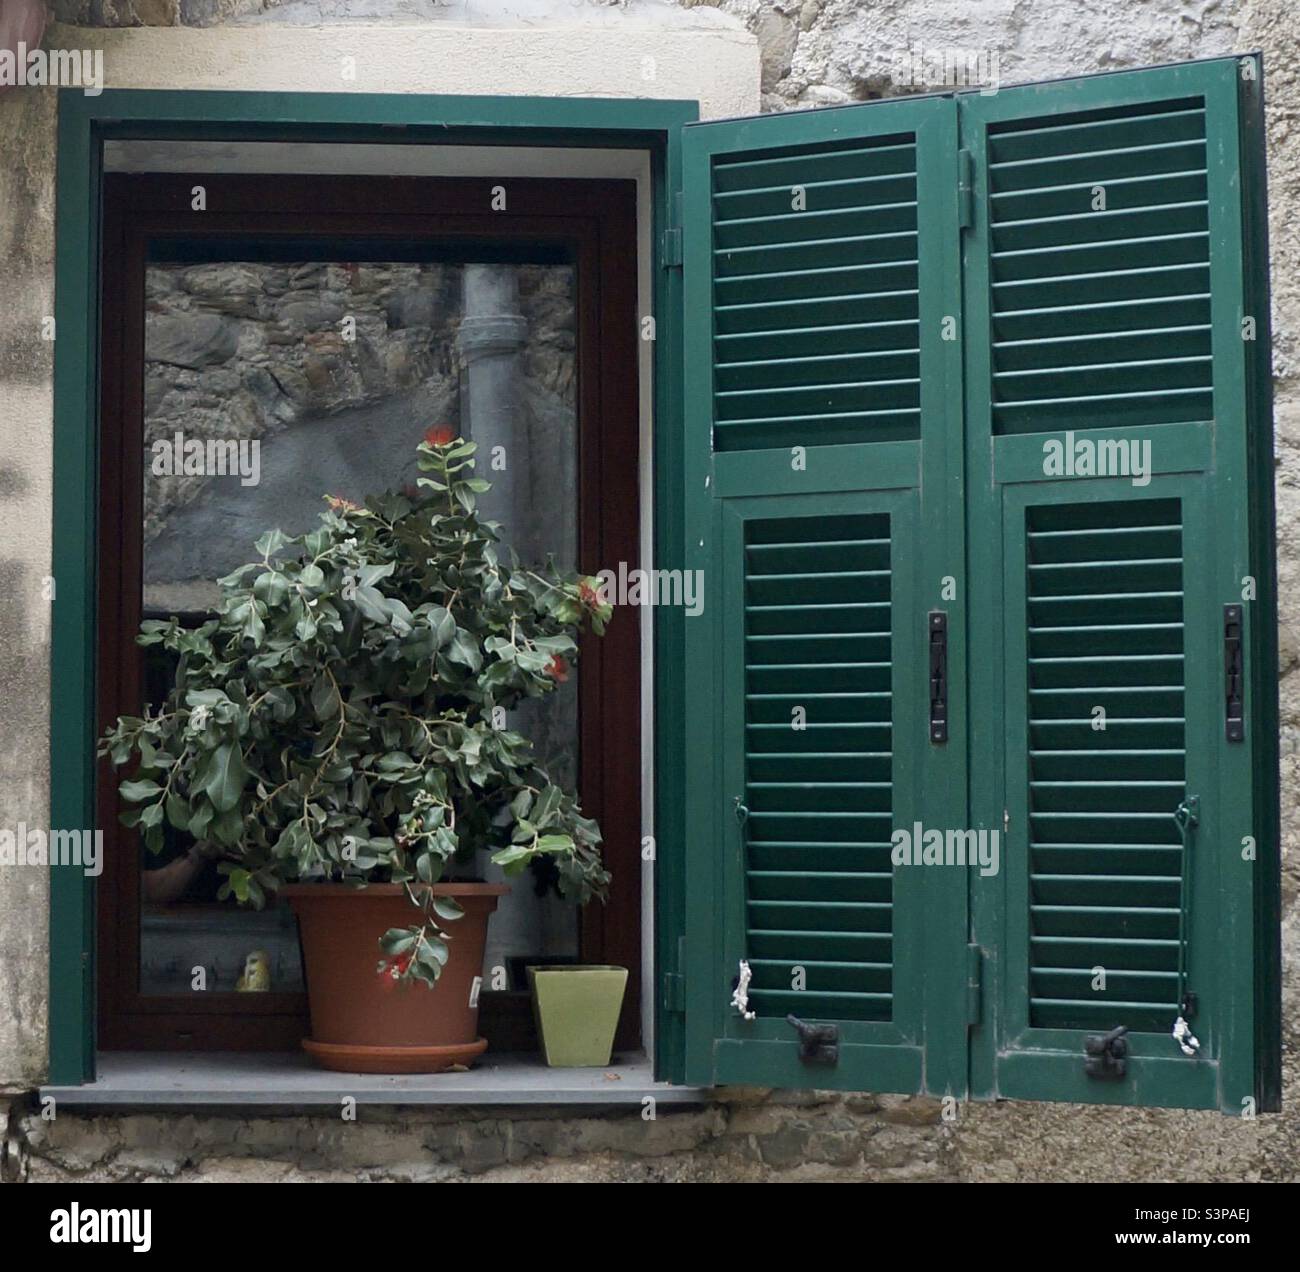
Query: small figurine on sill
point(257, 973)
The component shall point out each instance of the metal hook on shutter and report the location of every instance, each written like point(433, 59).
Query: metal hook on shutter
point(740, 991)
point(1187, 815)
point(740, 985)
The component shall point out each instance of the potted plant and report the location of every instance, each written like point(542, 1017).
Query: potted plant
point(338, 733)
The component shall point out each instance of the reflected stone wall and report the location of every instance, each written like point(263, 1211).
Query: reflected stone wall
point(338, 370)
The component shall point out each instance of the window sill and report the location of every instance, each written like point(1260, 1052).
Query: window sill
point(154, 1079)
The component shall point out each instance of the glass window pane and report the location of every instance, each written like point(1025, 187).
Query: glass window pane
point(319, 378)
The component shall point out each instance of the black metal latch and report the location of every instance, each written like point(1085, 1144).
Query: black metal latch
point(938, 676)
point(818, 1044)
point(1107, 1054)
point(1233, 688)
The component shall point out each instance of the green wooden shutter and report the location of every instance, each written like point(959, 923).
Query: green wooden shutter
point(1107, 277)
point(823, 445)
point(921, 297)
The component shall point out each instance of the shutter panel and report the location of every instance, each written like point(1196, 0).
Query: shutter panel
point(1097, 327)
point(822, 432)
point(1100, 268)
point(818, 879)
point(1062, 364)
point(816, 336)
point(1105, 856)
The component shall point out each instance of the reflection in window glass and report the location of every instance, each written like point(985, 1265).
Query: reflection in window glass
point(319, 378)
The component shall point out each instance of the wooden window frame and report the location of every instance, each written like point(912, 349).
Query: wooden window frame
point(593, 223)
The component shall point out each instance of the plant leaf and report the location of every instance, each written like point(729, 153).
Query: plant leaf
point(225, 777)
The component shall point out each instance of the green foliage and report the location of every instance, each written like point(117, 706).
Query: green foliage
point(337, 719)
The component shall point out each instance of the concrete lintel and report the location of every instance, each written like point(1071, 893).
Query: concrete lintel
point(716, 65)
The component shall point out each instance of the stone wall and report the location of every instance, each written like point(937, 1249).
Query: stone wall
point(745, 1136)
point(814, 52)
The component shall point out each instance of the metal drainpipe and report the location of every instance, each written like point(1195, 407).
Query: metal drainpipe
point(492, 332)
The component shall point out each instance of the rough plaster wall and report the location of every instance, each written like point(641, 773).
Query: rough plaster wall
point(26, 364)
point(814, 53)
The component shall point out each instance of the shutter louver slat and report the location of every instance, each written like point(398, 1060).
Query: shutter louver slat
point(1084, 296)
point(1105, 852)
point(806, 246)
point(818, 875)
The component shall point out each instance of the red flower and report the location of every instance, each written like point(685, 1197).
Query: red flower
point(339, 504)
point(558, 669)
point(588, 595)
point(392, 972)
point(440, 435)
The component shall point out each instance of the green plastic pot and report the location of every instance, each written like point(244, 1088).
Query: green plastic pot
point(576, 1009)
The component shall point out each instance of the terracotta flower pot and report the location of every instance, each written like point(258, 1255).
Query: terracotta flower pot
point(365, 1022)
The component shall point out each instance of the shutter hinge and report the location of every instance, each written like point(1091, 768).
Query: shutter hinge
point(974, 984)
point(671, 255)
point(965, 189)
point(675, 981)
point(672, 252)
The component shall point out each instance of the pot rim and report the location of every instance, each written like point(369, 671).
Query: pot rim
point(337, 890)
point(549, 969)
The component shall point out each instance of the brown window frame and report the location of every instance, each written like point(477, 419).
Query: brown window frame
point(595, 220)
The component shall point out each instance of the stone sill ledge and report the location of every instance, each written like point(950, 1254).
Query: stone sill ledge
point(151, 1080)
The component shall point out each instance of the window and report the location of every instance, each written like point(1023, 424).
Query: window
point(517, 331)
point(962, 411)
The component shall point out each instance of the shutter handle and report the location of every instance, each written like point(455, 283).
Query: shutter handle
point(937, 626)
point(742, 813)
point(1234, 668)
point(1107, 1054)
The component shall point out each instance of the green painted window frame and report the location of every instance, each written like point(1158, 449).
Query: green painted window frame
point(84, 124)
